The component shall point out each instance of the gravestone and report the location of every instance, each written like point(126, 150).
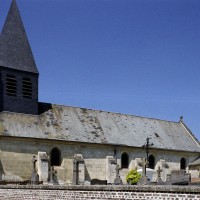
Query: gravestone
point(43, 166)
point(1, 169)
point(118, 180)
point(110, 169)
point(52, 178)
point(165, 169)
point(178, 177)
point(34, 176)
point(81, 172)
point(159, 180)
point(78, 170)
point(144, 179)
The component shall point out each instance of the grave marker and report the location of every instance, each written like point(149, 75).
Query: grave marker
point(34, 176)
point(43, 166)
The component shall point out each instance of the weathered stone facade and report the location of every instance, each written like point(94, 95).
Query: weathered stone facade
point(16, 155)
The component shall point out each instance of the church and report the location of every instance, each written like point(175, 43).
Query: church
point(79, 144)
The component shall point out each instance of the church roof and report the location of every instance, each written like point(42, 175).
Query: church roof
point(92, 126)
point(195, 162)
point(15, 51)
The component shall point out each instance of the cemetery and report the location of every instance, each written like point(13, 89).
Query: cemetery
point(178, 186)
point(49, 150)
point(45, 174)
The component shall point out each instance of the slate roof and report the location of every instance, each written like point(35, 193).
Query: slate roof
point(15, 51)
point(195, 162)
point(93, 126)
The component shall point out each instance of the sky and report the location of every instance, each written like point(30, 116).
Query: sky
point(138, 57)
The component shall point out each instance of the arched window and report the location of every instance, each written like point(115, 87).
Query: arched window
point(151, 162)
point(55, 157)
point(183, 164)
point(124, 160)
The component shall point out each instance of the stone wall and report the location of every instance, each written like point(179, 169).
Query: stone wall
point(16, 155)
point(100, 192)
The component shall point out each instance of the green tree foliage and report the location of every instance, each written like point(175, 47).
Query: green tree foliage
point(133, 177)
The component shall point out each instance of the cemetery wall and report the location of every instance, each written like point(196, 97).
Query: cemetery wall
point(16, 156)
point(100, 192)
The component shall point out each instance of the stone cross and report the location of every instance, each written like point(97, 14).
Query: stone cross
point(159, 180)
point(78, 170)
point(1, 171)
point(159, 172)
point(34, 160)
point(118, 180)
point(117, 168)
point(52, 174)
point(144, 179)
point(144, 163)
point(34, 176)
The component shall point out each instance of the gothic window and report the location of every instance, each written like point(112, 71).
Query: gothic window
point(11, 85)
point(124, 160)
point(183, 164)
point(26, 88)
point(55, 157)
point(151, 162)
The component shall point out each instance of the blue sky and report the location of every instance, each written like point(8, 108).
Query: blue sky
point(139, 57)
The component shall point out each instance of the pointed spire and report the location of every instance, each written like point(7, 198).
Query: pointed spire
point(15, 51)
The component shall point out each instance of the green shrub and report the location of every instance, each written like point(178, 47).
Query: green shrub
point(133, 177)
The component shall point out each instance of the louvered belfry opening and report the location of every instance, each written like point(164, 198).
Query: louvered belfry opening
point(26, 88)
point(11, 85)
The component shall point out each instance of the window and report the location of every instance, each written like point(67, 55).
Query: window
point(55, 157)
point(11, 85)
point(183, 164)
point(151, 162)
point(26, 88)
point(124, 160)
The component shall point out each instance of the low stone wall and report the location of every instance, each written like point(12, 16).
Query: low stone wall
point(99, 192)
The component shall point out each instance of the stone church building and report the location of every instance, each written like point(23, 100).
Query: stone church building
point(81, 144)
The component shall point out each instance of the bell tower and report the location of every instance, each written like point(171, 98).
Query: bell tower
point(18, 71)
